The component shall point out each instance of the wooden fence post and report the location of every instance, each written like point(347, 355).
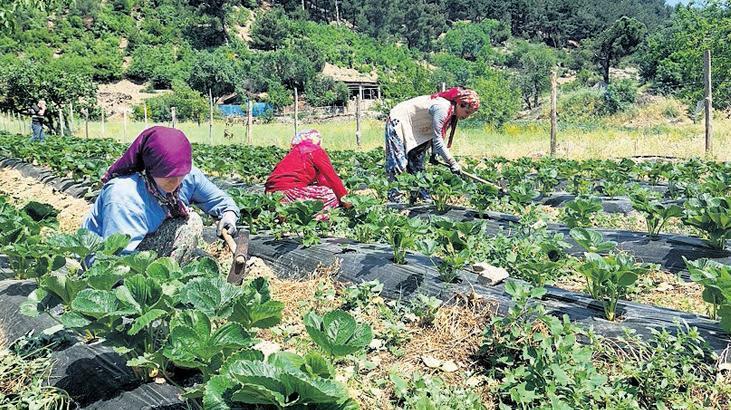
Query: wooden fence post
point(72, 127)
point(172, 113)
point(210, 117)
point(444, 86)
point(357, 114)
point(144, 108)
point(708, 100)
point(104, 133)
point(554, 115)
point(249, 122)
point(60, 120)
point(86, 122)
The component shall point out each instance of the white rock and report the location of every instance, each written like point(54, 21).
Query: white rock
point(376, 344)
point(449, 366)
point(488, 274)
point(431, 362)
point(664, 287)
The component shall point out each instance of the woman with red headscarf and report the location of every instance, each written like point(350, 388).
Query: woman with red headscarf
point(147, 192)
point(422, 122)
point(306, 173)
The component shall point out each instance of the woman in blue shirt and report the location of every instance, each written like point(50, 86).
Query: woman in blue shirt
point(147, 192)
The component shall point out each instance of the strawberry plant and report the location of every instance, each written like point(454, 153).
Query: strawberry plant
point(609, 277)
point(483, 197)
point(303, 218)
point(522, 194)
point(252, 205)
point(656, 213)
point(579, 211)
point(536, 358)
point(155, 312)
point(711, 215)
point(592, 241)
point(282, 380)
point(425, 308)
point(716, 280)
point(456, 241)
point(337, 333)
point(401, 233)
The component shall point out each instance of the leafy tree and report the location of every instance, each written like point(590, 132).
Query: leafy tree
point(672, 57)
point(219, 71)
point(278, 95)
point(323, 91)
point(270, 30)
point(424, 21)
point(216, 9)
point(619, 96)
point(499, 98)
point(23, 82)
point(619, 40)
point(189, 105)
point(161, 65)
point(466, 40)
point(534, 63)
point(285, 66)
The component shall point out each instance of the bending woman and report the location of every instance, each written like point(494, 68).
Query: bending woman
point(306, 173)
point(422, 122)
point(147, 193)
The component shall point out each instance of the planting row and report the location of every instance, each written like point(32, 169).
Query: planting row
point(528, 178)
point(536, 254)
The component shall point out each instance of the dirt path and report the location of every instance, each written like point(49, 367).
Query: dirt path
point(21, 190)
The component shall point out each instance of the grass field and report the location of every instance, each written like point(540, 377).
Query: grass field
point(613, 137)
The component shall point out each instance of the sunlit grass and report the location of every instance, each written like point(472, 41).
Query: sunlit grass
point(597, 139)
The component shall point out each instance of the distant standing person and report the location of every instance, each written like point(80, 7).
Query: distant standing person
point(37, 113)
point(422, 122)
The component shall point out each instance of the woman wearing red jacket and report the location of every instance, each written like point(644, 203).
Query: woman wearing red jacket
point(306, 173)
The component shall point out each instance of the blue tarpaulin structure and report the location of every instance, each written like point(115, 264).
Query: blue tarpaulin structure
point(237, 110)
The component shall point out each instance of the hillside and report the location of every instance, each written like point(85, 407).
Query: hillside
point(505, 51)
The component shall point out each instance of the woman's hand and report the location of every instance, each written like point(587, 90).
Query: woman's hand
point(227, 223)
point(346, 204)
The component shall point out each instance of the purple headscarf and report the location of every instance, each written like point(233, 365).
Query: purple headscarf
point(159, 152)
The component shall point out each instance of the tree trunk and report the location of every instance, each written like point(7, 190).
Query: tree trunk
point(605, 68)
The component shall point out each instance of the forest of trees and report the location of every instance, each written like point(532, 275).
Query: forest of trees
point(505, 50)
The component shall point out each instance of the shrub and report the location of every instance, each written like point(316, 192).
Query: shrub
point(582, 104)
point(499, 99)
point(189, 105)
point(620, 96)
point(321, 91)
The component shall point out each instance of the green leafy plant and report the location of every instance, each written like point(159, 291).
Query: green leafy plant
point(536, 358)
point(418, 391)
point(337, 333)
point(251, 206)
point(401, 233)
point(592, 241)
point(361, 295)
point(656, 213)
point(456, 242)
point(609, 277)
point(579, 211)
point(716, 280)
point(302, 218)
point(711, 215)
point(522, 194)
point(425, 308)
point(283, 380)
